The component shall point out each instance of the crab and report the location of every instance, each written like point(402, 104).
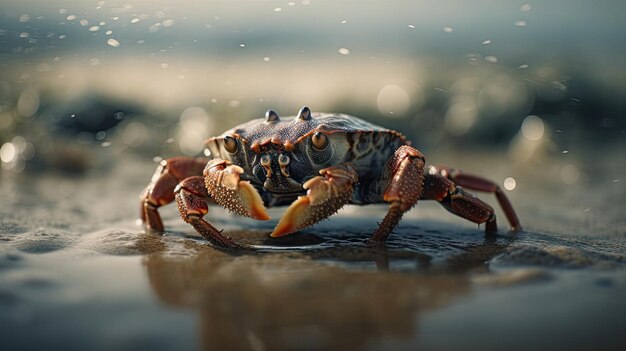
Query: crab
point(316, 163)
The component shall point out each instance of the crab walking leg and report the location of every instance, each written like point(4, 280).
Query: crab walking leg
point(479, 183)
point(458, 202)
point(326, 194)
point(225, 187)
point(406, 172)
point(190, 197)
point(160, 191)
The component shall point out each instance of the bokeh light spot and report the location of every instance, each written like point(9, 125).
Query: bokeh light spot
point(393, 100)
point(510, 183)
point(533, 128)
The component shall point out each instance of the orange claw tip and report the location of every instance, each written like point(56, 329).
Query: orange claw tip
point(284, 230)
point(292, 219)
point(259, 213)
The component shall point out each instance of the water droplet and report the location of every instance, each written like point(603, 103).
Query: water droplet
point(448, 29)
point(101, 135)
point(84, 22)
point(94, 28)
point(62, 36)
point(109, 32)
point(242, 45)
point(24, 35)
point(491, 59)
point(135, 20)
point(344, 22)
point(510, 183)
point(114, 43)
point(524, 66)
point(525, 8)
point(24, 18)
point(520, 23)
point(565, 151)
point(532, 128)
point(70, 17)
point(486, 42)
point(267, 59)
point(168, 23)
point(411, 26)
point(616, 180)
point(344, 51)
point(73, 115)
point(278, 9)
point(106, 144)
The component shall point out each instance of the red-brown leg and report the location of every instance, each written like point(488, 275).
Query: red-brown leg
point(458, 202)
point(405, 173)
point(191, 196)
point(160, 191)
point(479, 183)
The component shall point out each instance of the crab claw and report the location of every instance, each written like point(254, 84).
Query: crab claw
point(226, 188)
point(326, 195)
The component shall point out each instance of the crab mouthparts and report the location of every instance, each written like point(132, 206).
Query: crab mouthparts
point(278, 184)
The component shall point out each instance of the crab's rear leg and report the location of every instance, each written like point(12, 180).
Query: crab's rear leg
point(405, 173)
point(478, 183)
point(160, 191)
point(458, 202)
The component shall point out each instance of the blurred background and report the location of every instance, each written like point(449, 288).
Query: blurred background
point(449, 74)
point(538, 87)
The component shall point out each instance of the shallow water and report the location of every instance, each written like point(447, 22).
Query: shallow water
point(77, 271)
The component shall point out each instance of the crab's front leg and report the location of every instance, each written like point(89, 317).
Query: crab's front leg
point(223, 185)
point(404, 173)
point(326, 194)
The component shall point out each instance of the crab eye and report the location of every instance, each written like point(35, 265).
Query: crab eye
point(265, 160)
point(230, 144)
point(319, 141)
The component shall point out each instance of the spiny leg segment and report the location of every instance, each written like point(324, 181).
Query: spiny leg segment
point(459, 202)
point(405, 174)
point(191, 196)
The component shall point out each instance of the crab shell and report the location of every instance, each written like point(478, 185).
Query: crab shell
point(277, 154)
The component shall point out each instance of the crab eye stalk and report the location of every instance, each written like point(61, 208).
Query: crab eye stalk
point(230, 144)
point(319, 141)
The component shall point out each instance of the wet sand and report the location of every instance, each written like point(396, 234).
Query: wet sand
point(77, 272)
